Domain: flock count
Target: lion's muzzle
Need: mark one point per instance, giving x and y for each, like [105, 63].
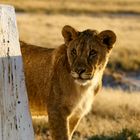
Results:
[81, 75]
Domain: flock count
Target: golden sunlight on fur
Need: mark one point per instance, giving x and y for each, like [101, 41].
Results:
[64, 81]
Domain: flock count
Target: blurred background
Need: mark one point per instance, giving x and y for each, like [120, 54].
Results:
[116, 111]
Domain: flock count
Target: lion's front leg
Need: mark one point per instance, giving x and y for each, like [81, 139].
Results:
[73, 123]
[58, 125]
[74, 120]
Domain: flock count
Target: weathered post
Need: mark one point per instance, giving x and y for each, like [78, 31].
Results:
[15, 119]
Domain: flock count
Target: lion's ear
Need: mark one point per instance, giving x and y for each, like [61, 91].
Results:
[107, 38]
[69, 33]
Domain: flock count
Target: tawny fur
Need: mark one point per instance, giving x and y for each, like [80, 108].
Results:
[51, 82]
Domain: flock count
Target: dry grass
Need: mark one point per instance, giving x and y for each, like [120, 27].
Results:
[71, 6]
[115, 113]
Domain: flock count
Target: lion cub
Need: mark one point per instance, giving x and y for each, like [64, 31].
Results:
[65, 80]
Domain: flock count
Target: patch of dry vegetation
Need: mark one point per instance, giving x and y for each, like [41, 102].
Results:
[125, 59]
[71, 6]
[115, 115]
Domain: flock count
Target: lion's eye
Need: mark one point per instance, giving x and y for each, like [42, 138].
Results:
[92, 53]
[73, 52]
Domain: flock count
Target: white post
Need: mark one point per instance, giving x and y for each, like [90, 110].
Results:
[15, 119]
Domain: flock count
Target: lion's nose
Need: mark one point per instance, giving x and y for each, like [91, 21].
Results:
[80, 70]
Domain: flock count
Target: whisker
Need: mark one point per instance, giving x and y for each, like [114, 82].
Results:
[74, 74]
[86, 76]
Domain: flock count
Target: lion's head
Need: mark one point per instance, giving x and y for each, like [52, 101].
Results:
[87, 52]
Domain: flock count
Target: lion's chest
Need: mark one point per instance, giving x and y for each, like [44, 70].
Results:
[81, 101]
[86, 101]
